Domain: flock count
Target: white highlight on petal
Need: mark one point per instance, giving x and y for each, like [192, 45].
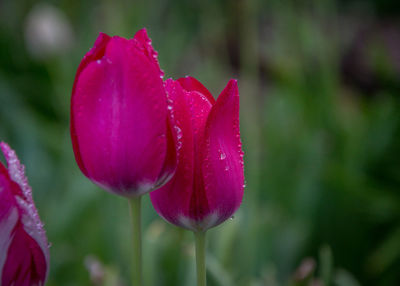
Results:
[163, 180]
[143, 188]
[199, 225]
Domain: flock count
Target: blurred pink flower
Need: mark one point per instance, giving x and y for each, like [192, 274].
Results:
[207, 187]
[24, 251]
[120, 131]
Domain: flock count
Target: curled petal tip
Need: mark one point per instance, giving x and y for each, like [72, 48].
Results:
[7, 151]
[103, 35]
[191, 84]
[102, 39]
[233, 82]
[142, 32]
[144, 42]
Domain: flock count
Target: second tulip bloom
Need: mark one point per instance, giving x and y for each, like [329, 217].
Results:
[207, 187]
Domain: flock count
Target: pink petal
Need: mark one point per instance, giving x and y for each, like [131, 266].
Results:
[223, 162]
[182, 198]
[199, 107]
[8, 214]
[25, 263]
[119, 119]
[30, 216]
[191, 84]
[170, 162]
[22, 237]
[171, 200]
[144, 43]
[95, 53]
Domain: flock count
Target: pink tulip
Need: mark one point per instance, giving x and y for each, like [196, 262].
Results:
[24, 252]
[207, 187]
[120, 132]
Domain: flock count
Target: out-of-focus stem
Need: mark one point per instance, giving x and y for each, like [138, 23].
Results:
[200, 242]
[135, 209]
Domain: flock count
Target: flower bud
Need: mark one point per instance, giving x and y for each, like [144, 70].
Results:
[121, 134]
[207, 187]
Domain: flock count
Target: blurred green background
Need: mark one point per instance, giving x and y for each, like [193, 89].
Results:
[320, 122]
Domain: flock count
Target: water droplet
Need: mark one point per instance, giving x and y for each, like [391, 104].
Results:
[178, 137]
[232, 217]
[226, 168]
[222, 156]
[98, 61]
[178, 132]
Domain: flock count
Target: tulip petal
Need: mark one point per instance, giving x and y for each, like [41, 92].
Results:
[182, 200]
[191, 84]
[8, 215]
[25, 264]
[144, 43]
[119, 119]
[30, 218]
[170, 162]
[169, 200]
[95, 53]
[223, 160]
[199, 107]
[22, 237]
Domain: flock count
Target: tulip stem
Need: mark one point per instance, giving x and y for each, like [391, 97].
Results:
[200, 242]
[135, 209]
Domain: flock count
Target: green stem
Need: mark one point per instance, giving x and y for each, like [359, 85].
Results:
[135, 209]
[200, 242]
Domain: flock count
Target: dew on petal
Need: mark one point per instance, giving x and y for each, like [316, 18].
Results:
[222, 155]
[178, 137]
[178, 132]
